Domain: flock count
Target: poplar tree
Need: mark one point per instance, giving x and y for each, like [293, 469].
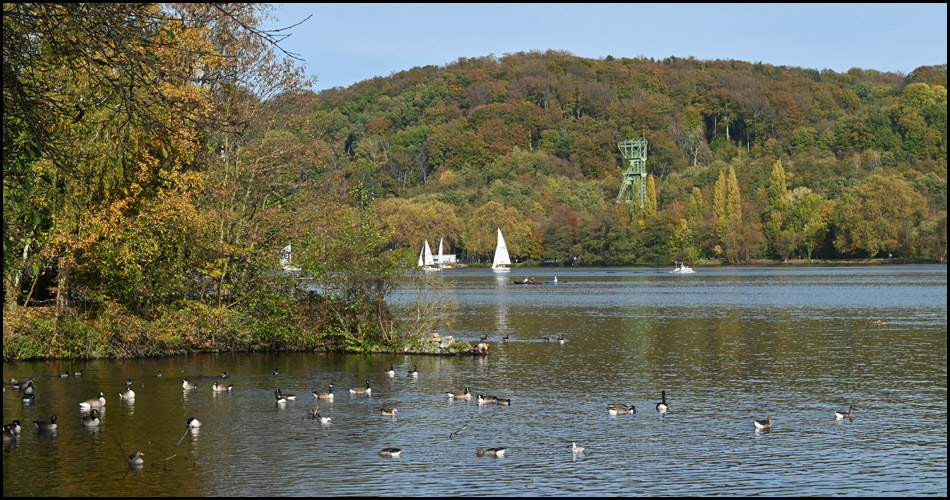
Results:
[649, 202]
[778, 207]
[727, 205]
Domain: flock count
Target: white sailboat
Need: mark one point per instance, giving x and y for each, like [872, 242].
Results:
[441, 262]
[502, 260]
[285, 259]
[425, 258]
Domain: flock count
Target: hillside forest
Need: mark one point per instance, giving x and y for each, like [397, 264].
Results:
[158, 158]
[746, 160]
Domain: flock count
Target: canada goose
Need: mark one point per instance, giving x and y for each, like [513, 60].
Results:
[216, 387]
[136, 458]
[192, 423]
[763, 424]
[128, 393]
[546, 339]
[29, 399]
[91, 420]
[362, 390]
[840, 415]
[314, 413]
[500, 401]
[9, 437]
[89, 403]
[575, 448]
[286, 396]
[159, 374]
[391, 372]
[491, 452]
[276, 373]
[619, 409]
[484, 400]
[29, 389]
[459, 395]
[328, 394]
[505, 338]
[279, 398]
[43, 425]
[78, 374]
[64, 375]
[223, 375]
[662, 407]
[414, 373]
[389, 412]
[186, 385]
[390, 452]
[15, 426]
[560, 339]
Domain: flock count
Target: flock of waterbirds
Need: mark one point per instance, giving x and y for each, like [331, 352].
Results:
[91, 409]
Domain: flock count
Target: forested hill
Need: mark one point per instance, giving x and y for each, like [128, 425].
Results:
[528, 142]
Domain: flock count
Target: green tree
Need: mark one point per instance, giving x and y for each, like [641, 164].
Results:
[345, 250]
[882, 215]
[560, 234]
[727, 206]
[409, 223]
[649, 201]
[777, 211]
[807, 224]
[481, 230]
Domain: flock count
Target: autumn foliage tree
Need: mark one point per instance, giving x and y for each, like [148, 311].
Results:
[103, 106]
[880, 216]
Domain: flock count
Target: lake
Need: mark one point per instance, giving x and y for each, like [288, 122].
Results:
[728, 345]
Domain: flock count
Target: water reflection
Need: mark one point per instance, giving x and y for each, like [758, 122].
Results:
[726, 346]
[501, 304]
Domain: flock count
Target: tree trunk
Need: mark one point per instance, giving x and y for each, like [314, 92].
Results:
[12, 295]
[62, 288]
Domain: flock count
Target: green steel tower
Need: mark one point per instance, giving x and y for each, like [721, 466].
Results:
[635, 152]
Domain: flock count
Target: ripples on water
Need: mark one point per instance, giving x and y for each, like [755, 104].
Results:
[728, 345]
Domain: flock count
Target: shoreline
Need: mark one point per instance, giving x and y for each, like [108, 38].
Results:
[36, 334]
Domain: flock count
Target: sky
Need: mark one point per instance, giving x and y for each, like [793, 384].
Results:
[343, 44]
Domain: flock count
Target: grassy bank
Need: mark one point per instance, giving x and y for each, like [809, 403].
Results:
[36, 333]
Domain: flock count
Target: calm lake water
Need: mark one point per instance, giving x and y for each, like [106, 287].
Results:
[726, 344]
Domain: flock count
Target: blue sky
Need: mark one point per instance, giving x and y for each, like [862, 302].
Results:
[346, 43]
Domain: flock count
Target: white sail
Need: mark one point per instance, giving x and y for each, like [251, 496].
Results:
[286, 261]
[441, 263]
[425, 258]
[502, 260]
[428, 255]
